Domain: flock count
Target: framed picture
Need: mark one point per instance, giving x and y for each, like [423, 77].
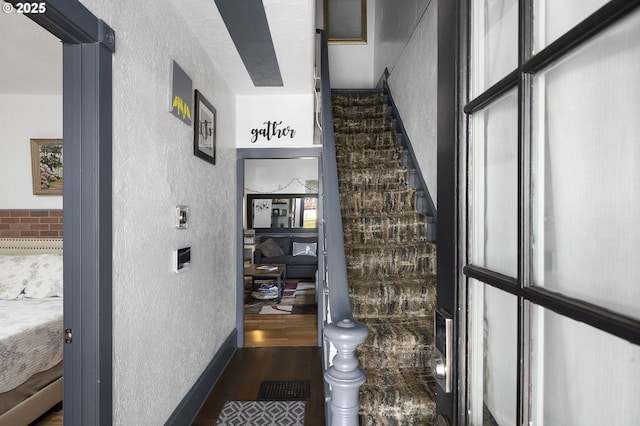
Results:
[46, 166]
[204, 135]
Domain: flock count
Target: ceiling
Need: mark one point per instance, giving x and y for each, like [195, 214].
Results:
[31, 57]
[276, 56]
[291, 25]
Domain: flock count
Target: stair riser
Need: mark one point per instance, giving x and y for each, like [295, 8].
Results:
[363, 141]
[417, 357]
[364, 157]
[398, 399]
[360, 112]
[377, 180]
[409, 260]
[358, 100]
[364, 309]
[407, 268]
[378, 230]
[363, 126]
[378, 201]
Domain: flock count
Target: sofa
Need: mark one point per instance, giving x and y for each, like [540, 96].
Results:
[299, 254]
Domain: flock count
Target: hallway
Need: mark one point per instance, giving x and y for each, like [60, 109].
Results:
[250, 366]
[277, 347]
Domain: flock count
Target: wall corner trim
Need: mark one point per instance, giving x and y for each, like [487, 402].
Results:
[192, 402]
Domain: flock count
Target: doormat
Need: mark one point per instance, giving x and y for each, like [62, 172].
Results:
[254, 413]
[286, 390]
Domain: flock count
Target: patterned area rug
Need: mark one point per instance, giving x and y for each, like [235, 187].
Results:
[299, 297]
[254, 413]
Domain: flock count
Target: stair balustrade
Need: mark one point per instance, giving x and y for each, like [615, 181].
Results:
[343, 376]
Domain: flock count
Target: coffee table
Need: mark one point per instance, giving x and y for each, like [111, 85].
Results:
[271, 270]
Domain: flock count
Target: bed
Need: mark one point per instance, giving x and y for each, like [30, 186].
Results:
[31, 328]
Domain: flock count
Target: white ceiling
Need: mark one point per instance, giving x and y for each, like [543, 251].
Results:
[31, 58]
[292, 26]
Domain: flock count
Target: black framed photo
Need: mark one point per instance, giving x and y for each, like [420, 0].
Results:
[204, 134]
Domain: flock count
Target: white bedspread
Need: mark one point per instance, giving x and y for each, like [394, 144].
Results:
[30, 338]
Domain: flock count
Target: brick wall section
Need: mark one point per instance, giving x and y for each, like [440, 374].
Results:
[30, 223]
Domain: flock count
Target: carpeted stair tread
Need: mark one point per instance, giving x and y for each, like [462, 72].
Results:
[410, 259]
[392, 298]
[359, 126]
[359, 112]
[397, 344]
[360, 99]
[368, 140]
[374, 179]
[390, 200]
[397, 398]
[400, 228]
[362, 158]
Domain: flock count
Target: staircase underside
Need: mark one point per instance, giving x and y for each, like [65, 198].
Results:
[390, 264]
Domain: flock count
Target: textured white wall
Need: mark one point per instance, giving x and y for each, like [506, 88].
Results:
[395, 24]
[166, 326]
[289, 111]
[413, 84]
[25, 117]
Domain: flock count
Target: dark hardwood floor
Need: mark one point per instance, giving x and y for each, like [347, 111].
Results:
[277, 347]
[250, 366]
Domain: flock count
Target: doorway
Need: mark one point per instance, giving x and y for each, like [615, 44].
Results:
[548, 184]
[88, 45]
[283, 178]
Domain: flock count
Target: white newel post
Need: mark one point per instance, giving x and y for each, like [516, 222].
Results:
[345, 376]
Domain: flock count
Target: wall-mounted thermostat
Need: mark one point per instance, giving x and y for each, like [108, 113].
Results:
[181, 217]
[182, 259]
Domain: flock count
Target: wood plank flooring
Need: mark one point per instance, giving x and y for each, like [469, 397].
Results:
[288, 344]
[52, 418]
[280, 330]
[250, 366]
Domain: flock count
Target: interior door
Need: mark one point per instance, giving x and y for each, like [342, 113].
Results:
[549, 320]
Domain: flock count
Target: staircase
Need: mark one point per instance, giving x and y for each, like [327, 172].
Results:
[390, 264]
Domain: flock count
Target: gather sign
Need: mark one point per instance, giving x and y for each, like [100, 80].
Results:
[272, 130]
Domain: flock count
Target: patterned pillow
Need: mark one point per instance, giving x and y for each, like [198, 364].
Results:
[15, 273]
[307, 249]
[47, 279]
[270, 248]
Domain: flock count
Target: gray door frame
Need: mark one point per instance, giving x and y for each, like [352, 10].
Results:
[88, 45]
[448, 134]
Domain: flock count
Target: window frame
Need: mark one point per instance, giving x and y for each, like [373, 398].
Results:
[521, 79]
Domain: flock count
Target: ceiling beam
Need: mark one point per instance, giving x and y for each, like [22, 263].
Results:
[247, 24]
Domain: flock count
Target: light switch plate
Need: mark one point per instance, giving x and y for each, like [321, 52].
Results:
[182, 217]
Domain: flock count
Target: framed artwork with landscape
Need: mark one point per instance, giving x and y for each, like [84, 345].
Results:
[204, 135]
[46, 166]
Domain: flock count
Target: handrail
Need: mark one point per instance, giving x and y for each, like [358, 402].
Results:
[344, 376]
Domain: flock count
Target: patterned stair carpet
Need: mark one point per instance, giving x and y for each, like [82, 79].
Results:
[390, 265]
